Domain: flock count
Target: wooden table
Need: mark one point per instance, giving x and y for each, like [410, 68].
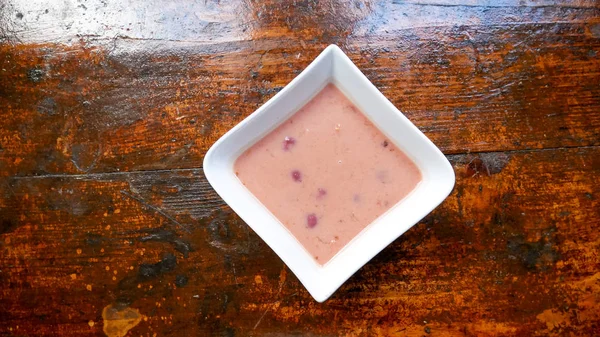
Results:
[107, 223]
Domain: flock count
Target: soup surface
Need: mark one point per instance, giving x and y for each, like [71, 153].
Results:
[327, 173]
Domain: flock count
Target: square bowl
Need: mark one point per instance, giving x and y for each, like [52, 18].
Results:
[331, 66]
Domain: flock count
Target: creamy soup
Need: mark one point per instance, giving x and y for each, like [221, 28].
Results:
[327, 173]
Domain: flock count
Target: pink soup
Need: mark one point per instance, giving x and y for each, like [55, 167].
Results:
[327, 173]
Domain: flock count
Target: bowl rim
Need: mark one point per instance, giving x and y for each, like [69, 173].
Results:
[331, 66]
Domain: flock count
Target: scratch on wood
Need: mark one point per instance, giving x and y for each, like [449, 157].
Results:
[498, 91]
[156, 209]
[234, 276]
[272, 305]
[92, 165]
[282, 279]
[261, 317]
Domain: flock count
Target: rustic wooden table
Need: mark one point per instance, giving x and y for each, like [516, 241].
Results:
[108, 226]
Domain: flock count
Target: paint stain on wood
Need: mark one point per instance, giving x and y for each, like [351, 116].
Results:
[118, 321]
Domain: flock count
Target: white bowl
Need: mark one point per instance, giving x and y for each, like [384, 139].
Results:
[332, 65]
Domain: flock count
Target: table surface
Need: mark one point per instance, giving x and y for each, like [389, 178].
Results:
[108, 225]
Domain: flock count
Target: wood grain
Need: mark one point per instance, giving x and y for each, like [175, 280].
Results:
[116, 107]
[108, 226]
[513, 251]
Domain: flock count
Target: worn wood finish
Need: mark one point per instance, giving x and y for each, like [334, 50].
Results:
[514, 250]
[108, 226]
[98, 106]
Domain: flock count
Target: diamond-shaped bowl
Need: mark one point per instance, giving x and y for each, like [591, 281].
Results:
[331, 66]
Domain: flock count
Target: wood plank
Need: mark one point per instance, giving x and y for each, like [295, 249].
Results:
[78, 109]
[512, 251]
[153, 86]
[238, 20]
